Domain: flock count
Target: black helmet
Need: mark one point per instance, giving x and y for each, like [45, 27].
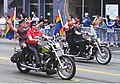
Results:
[33, 23]
[21, 21]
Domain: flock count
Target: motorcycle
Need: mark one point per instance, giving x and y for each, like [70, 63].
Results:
[93, 48]
[52, 58]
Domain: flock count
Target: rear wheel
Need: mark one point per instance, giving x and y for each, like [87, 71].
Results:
[105, 57]
[68, 70]
[22, 69]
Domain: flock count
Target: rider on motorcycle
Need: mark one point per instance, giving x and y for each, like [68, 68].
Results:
[33, 43]
[22, 33]
[78, 39]
[73, 36]
[69, 35]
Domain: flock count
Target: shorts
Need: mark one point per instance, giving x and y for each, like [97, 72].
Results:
[3, 27]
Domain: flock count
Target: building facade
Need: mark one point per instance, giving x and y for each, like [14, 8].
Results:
[94, 7]
[48, 8]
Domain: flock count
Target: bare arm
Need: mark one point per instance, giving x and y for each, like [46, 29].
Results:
[77, 33]
[10, 23]
[14, 29]
[41, 23]
[31, 39]
[47, 37]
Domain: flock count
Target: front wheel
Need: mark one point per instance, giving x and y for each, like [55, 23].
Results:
[22, 69]
[68, 70]
[105, 57]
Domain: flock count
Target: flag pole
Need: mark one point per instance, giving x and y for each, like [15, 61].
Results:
[14, 27]
[60, 17]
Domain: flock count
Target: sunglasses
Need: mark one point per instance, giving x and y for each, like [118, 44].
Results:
[33, 25]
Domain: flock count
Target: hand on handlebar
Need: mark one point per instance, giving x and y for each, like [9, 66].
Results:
[36, 40]
[49, 38]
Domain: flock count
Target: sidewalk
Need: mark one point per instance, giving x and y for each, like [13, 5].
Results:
[7, 41]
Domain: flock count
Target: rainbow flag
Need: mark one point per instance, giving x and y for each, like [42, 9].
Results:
[59, 24]
[9, 31]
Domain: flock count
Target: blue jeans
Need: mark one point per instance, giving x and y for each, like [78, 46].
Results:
[99, 33]
[104, 34]
[48, 32]
[43, 30]
[110, 36]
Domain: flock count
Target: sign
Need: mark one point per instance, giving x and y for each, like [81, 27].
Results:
[112, 10]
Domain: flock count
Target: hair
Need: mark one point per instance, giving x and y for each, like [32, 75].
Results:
[101, 20]
[108, 17]
[8, 16]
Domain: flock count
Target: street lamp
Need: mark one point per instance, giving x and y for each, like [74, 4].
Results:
[101, 8]
[83, 5]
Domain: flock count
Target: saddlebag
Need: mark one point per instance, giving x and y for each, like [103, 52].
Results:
[17, 57]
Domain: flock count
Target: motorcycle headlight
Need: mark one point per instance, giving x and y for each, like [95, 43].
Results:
[57, 45]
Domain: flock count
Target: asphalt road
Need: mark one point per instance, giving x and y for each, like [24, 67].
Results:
[87, 71]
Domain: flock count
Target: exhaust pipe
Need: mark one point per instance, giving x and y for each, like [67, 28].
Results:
[23, 65]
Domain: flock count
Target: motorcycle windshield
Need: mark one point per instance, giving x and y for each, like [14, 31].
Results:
[93, 32]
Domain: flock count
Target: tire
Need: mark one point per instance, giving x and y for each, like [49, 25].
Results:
[22, 69]
[106, 57]
[70, 69]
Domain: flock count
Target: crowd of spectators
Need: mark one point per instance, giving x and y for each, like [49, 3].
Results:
[46, 28]
[107, 29]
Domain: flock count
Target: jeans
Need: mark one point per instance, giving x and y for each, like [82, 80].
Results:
[104, 35]
[110, 37]
[118, 36]
[34, 48]
[48, 32]
[43, 30]
[99, 33]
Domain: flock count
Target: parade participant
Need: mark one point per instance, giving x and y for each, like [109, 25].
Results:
[22, 32]
[70, 35]
[74, 36]
[33, 43]
[78, 39]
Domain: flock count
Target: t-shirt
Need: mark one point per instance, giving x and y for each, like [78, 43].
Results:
[23, 34]
[33, 33]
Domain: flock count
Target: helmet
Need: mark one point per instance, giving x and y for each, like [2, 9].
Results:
[70, 24]
[21, 21]
[33, 23]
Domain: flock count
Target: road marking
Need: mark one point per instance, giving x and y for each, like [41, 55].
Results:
[98, 72]
[4, 58]
[81, 69]
[75, 80]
